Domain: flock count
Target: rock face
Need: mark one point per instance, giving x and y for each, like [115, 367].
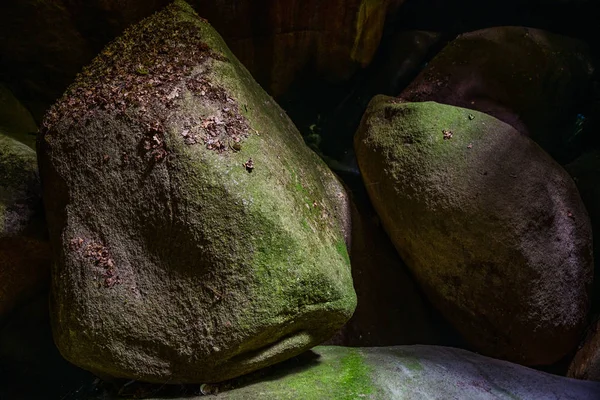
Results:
[197, 238]
[408, 372]
[586, 363]
[585, 171]
[277, 40]
[528, 78]
[493, 229]
[24, 249]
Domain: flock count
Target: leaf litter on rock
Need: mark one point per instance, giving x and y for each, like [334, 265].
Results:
[140, 77]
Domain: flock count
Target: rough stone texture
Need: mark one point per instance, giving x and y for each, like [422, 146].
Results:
[391, 309]
[406, 372]
[585, 171]
[44, 43]
[528, 78]
[493, 229]
[24, 249]
[586, 363]
[196, 237]
[277, 40]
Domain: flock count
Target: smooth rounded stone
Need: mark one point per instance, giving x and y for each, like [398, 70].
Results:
[586, 363]
[492, 228]
[196, 237]
[585, 172]
[24, 248]
[404, 372]
[391, 309]
[528, 78]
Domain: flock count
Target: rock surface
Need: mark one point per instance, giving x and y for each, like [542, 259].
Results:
[528, 78]
[44, 43]
[398, 61]
[493, 229]
[586, 363]
[197, 238]
[407, 372]
[24, 249]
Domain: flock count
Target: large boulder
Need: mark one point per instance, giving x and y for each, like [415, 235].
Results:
[531, 79]
[493, 229]
[24, 248]
[196, 237]
[405, 372]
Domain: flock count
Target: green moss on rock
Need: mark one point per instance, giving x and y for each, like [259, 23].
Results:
[493, 229]
[214, 269]
[24, 252]
[402, 372]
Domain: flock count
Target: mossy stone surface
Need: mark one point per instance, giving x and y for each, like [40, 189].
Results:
[529, 78]
[492, 228]
[404, 373]
[197, 238]
[24, 249]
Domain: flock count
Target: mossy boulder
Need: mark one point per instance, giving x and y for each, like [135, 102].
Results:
[529, 78]
[196, 237]
[492, 228]
[24, 248]
[405, 372]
